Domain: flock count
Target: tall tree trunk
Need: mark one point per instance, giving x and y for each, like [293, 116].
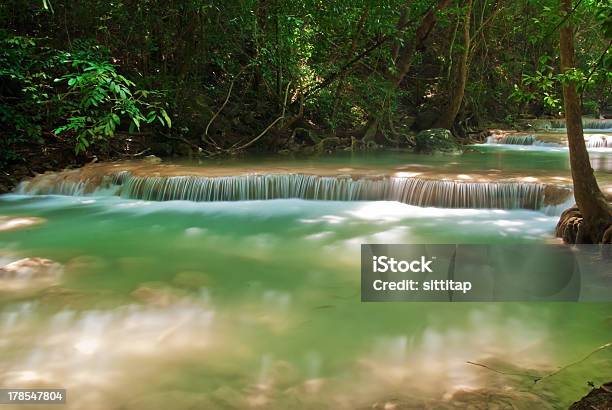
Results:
[596, 212]
[456, 89]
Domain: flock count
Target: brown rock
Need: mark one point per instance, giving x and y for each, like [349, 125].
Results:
[29, 274]
[599, 398]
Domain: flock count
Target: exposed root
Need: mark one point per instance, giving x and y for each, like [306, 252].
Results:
[537, 379]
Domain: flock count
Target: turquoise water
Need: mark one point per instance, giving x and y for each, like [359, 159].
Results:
[477, 158]
[525, 159]
[256, 304]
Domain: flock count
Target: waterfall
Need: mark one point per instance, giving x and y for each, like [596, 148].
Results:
[599, 141]
[409, 190]
[63, 187]
[453, 194]
[511, 139]
[592, 140]
[413, 191]
[251, 187]
[587, 124]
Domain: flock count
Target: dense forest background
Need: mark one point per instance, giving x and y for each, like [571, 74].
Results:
[191, 77]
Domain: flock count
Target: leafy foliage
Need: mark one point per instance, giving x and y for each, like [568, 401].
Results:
[542, 85]
[98, 97]
[24, 92]
[105, 54]
[46, 92]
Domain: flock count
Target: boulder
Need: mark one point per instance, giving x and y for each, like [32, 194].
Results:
[436, 140]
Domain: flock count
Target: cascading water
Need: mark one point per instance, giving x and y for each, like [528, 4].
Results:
[409, 190]
[174, 278]
[63, 187]
[599, 141]
[591, 140]
[587, 124]
[511, 139]
[453, 194]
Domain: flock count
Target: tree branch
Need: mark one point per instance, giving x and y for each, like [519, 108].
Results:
[229, 93]
[382, 40]
[269, 126]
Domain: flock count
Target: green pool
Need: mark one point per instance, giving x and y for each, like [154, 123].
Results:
[255, 304]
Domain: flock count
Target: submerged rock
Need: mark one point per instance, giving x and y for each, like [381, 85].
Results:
[60, 297]
[8, 223]
[30, 274]
[191, 280]
[436, 140]
[227, 397]
[156, 294]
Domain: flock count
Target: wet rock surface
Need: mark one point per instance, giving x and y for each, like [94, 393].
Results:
[30, 274]
[11, 223]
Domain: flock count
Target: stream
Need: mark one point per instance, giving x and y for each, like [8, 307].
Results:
[142, 299]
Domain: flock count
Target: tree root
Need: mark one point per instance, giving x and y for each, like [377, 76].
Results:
[537, 379]
[572, 229]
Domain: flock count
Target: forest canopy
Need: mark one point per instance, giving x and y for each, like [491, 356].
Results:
[214, 75]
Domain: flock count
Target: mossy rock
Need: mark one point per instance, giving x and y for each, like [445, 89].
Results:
[436, 140]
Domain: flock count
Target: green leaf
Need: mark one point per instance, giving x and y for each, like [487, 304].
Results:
[166, 117]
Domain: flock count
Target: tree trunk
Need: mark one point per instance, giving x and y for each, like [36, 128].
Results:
[405, 56]
[340, 88]
[406, 53]
[459, 75]
[594, 208]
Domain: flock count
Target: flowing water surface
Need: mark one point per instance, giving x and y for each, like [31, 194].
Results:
[256, 304]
